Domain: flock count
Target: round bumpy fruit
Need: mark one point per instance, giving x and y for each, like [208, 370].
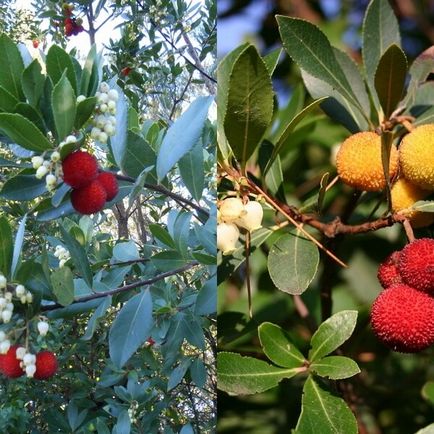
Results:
[110, 184]
[416, 264]
[79, 169]
[416, 155]
[46, 365]
[388, 271]
[359, 162]
[9, 364]
[404, 195]
[89, 199]
[403, 319]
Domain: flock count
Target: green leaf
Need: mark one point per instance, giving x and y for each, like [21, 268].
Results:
[23, 132]
[23, 188]
[311, 50]
[332, 333]
[390, 78]
[88, 75]
[423, 205]
[181, 231]
[380, 31]
[64, 107]
[9, 163]
[58, 60]
[321, 408]
[11, 67]
[204, 258]
[198, 373]
[206, 301]
[7, 100]
[293, 262]
[99, 313]
[138, 155]
[178, 374]
[161, 234]
[238, 375]
[182, 135]
[78, 255]
[33, 83]
[278, 347]
[168, 260]
[274, 174]
[428, 391]
[192, 171]
[250, 104]
[6, 246]
[131, 328]
[335, 367]
[272, 59]
[32, 114]
[85, 110]
[126, 251]
[63, 285]
[18, 245]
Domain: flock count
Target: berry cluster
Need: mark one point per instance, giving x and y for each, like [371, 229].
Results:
[48, 168]
[6, 299]
[73, 26]
[359, 165]
[104, 120]
[402, 316]
[62, 254]
[91, 188]
[232, 215]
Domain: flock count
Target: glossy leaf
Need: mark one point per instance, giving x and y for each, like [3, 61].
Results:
[33, 82]
[198, 373]
[119, 141]
[63, 285]
[335, 367]
[162, 235]
[238, 375]
[6, 246]
[206, 301]
[182, 135]
[32, 114]
[272, 59]
[23, 188]
[86, 85]
[168, 260]
[192, 171]
[423, 205]
[85, 110]
[292, 263]
[178, 373]
[11, 67]
[7, 100]
[249, 104]
[99, 313]
[23, 132]
[64, 107]
[321, 408]
[18, 245]
[58, 61]
[131, 328]
[332, 333]
[390, 78]
[278, 347]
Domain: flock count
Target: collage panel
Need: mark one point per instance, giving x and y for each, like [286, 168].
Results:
[325, 217]
[108, 217]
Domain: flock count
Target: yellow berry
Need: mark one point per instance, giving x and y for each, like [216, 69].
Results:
[359, 162]
[417, 156]
[404, 195]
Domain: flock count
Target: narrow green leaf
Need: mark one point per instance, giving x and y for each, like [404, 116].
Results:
[386, 147]
[64, 107]
[192, 171]
[7, 100]
[18, 245]
[168, 260]
[23, 132]
[11, 67]
[99, 313]
[274, 175]
[32, 114]
[33, 82]
[250, 104]
[161, 234]
[178, 374]
[85, 109]
[58, 60]
[204, 258]
[131, 328]
[278, 347]
[311, 50]
[238, 375]
[181, 230]
[390, 78]
[6, 246]
[206, 301]
[86, 82]
[9, 163]
[198, 373]
[182, 135]
[63, 285]
[335, 367]
[293, 262]
[23, 188]
[321, 408]
[423, 205]
[332, 333]
[272, 59]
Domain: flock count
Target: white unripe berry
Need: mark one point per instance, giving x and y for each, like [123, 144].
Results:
[41, 172]
[2, 336]
[51, 180]
[252, 218]
[29, 359]
[20, 353]
[20, 290]
[4, 346]
[103, 98]
[113, 94]
[23, 299]
[3, 302]
[71, 139]
[112, 111]
[62, 263]
[9, 307]
[103, 108]
[227, 236]
[109, 129]
[104, 87]
[111, 104]
[43, 328]
[37, 162]
[231, 209]
[6, 316]
[8, 296]
[80, 98]
[103, 137]
[29, 297]
[112, 120]
[95, 133]
[47, 164]
[3, 281]
[55, 156]
[30, 371]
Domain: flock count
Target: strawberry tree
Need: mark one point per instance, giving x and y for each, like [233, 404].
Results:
[107, 258]
[313, 197]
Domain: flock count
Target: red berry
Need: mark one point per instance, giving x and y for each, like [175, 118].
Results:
[416, 264]
[125, 71]
[388, 272]
[79, 169]
[89, 199]
[150, 341]
[68, 22]
[9, 364]
[46, 365]
[403, 318]
[110, 184]
[35, 43]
